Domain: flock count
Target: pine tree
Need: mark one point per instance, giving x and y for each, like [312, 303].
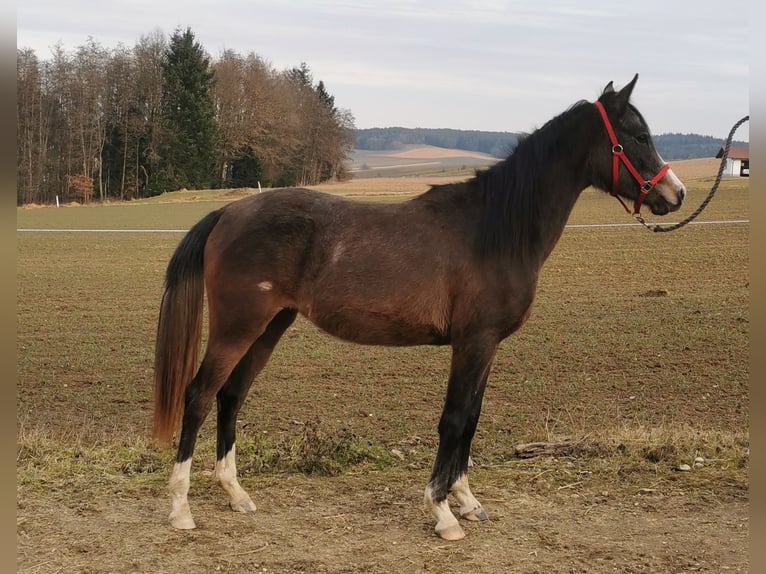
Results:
[325, 97]
[188, 150]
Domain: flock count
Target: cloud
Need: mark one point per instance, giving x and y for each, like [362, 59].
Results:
[463, 61]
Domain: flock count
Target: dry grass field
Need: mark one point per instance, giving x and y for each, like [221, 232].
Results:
[414, 160]
[636, 353]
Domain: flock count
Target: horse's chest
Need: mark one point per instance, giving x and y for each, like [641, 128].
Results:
[517, 312]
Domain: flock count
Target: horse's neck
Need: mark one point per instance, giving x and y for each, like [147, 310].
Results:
[568, 173]
[526, 199]
[560, 187]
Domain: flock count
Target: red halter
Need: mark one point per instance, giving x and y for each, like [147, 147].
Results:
[618, 154]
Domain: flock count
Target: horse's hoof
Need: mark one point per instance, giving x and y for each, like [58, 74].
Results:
[451, 532]
[475, 515]
[182, 522]
[246, 505]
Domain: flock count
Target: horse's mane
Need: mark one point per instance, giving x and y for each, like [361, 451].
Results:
[510, 221]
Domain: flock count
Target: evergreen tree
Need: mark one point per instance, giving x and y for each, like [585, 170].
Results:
[325, 97]
[188, 150]
[301, 75]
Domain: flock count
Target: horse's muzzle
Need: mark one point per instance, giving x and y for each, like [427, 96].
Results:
[671, 192]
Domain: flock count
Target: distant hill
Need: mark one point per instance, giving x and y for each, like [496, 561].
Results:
[499, 144]
[690, 146]
[496, 144]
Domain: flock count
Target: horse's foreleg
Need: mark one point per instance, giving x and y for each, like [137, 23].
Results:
[230, 399]
[470, 508]
[465, 391]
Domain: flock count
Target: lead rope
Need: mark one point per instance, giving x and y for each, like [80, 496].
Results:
[693, 216]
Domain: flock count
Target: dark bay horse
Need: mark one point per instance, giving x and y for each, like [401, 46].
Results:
[457, 265]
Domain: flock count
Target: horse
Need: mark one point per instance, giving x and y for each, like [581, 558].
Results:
[457, 265]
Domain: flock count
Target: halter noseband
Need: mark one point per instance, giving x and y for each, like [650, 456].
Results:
[618, 154]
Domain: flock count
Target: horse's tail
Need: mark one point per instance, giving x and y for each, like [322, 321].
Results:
[179, 328]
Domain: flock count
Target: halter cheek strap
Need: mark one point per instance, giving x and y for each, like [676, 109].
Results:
[618, 155]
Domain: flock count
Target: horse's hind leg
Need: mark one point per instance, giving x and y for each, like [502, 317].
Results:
[220, 359]
[465, 391]
[230, 399]
[231, 338]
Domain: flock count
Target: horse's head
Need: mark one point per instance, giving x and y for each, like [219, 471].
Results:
[626, 161]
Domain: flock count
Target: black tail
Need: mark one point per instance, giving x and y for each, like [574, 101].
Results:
[179, 328]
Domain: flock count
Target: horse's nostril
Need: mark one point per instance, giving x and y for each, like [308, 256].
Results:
[682, 193]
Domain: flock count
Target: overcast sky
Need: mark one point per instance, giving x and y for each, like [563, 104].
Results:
[486, 64]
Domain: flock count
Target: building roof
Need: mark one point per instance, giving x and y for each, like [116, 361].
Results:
[735, 153]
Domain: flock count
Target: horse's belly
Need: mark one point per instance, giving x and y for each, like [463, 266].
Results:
[372, 327]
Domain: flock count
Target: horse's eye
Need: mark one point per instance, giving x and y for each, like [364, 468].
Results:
[642, 138]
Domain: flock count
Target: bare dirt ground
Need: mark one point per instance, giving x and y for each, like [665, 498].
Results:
[374, 523]
[637, 350]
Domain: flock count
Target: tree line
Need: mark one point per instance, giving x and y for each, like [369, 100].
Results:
[128, 123]
[672, 146]
[675, 146]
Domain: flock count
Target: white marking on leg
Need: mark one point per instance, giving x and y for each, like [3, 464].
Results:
[180, 513]
[265, 286]
[447, 526]
[226, 475]
[470, 508]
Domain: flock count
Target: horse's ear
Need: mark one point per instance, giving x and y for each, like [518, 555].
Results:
[623, 96]
[618, 101]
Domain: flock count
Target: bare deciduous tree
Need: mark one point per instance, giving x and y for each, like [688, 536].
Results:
[97, 122]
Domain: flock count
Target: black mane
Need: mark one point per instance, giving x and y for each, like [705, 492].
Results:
[509, 190]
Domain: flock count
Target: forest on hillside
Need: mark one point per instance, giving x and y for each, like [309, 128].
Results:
[499, 144]
[126, 123]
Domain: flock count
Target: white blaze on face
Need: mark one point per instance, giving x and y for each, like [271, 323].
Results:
[671, 188]
[265, 286]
